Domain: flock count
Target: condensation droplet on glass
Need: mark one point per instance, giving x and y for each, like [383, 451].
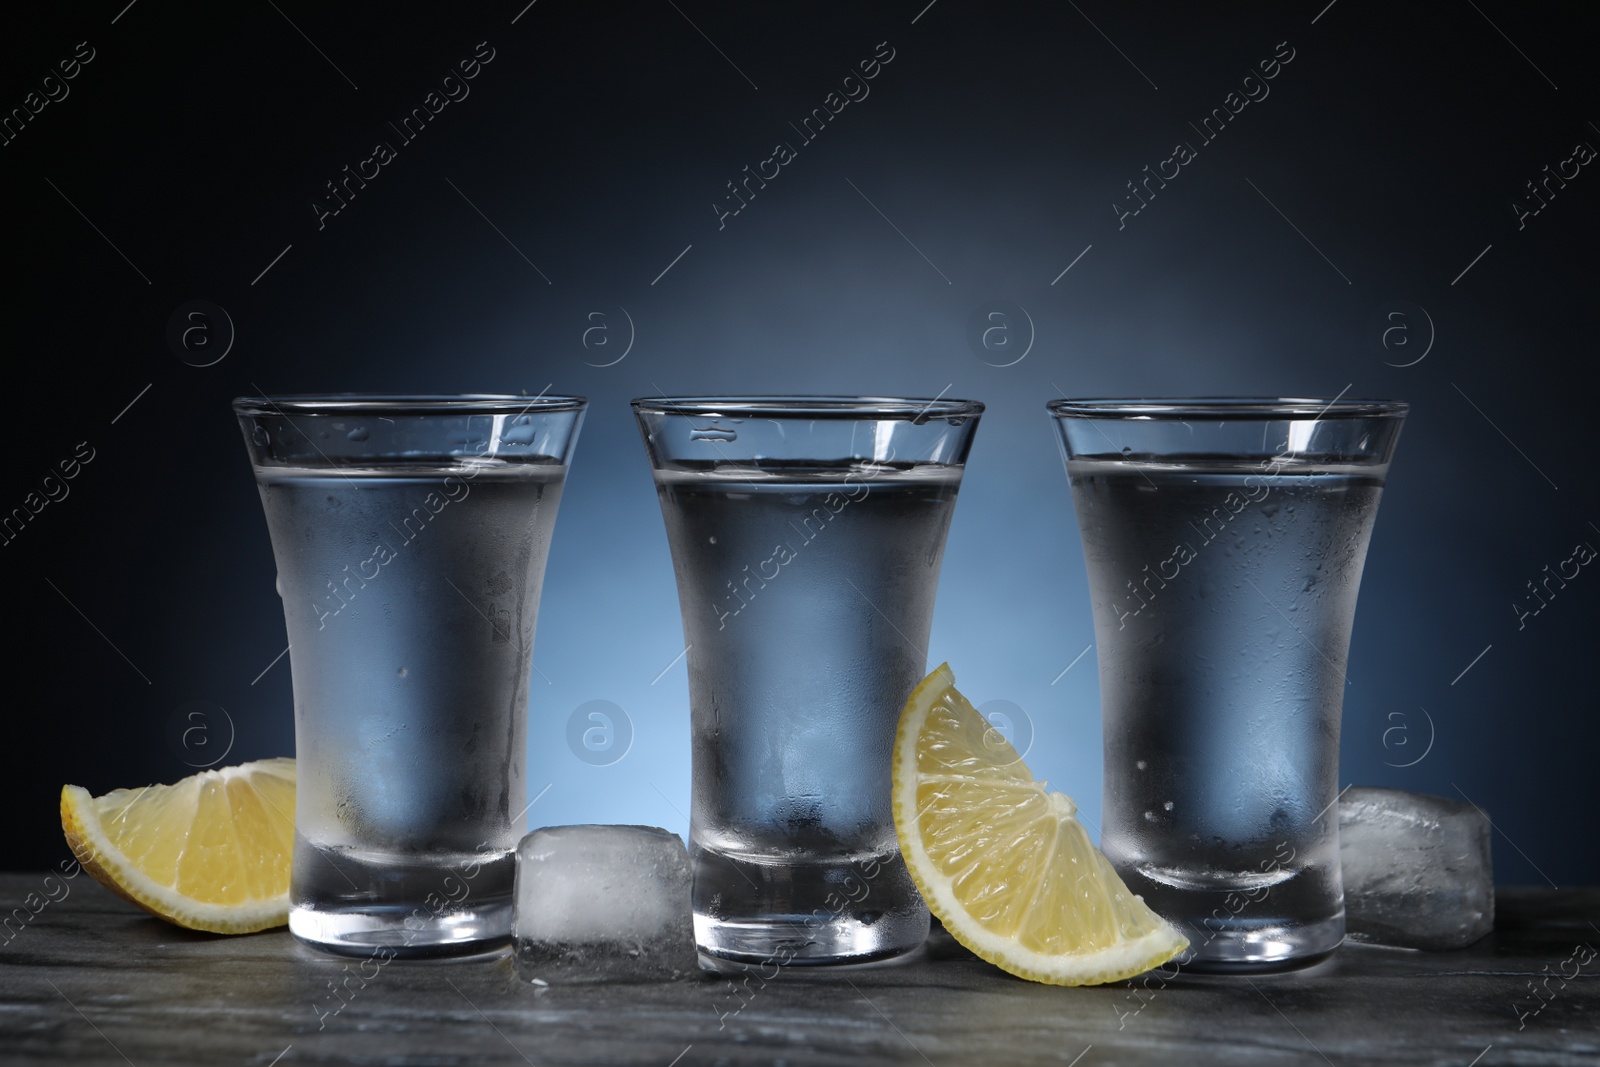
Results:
[1167, 806]
[1127, 451]
[713, 540]
[401, 672]
[358, 434]
[1149, 816]
[1142, 765]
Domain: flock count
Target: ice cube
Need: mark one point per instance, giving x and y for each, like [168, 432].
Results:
[599, 903]
[1416, 868]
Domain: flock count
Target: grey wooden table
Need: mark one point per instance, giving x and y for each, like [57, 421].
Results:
[89, 979]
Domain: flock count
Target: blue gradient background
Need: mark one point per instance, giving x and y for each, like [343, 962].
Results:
[996, 141]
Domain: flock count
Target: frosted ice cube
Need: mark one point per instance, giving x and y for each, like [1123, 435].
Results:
[597, 903]
[1416, 869]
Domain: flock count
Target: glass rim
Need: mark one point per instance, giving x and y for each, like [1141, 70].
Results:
[807, 406]
[406, 404]
[1217, 408]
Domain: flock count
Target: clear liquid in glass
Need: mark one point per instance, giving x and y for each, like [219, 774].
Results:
[807, 601]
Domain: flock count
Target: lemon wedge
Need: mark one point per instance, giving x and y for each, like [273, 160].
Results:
[1003, 861]
[210, 852]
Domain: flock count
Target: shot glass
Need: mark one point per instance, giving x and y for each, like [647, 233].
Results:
[1225, 540]
[410, 534]
[806, 533]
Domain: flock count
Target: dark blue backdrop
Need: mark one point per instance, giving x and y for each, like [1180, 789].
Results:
[1360, 220]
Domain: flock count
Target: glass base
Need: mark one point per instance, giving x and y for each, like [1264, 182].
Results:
[363, 902]
[1262, 948]
[398, 933]
[787, 941]
[1241, 920]
[850, 910]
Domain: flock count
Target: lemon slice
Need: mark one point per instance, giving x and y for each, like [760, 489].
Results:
[1003, 861]
[210, 852]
